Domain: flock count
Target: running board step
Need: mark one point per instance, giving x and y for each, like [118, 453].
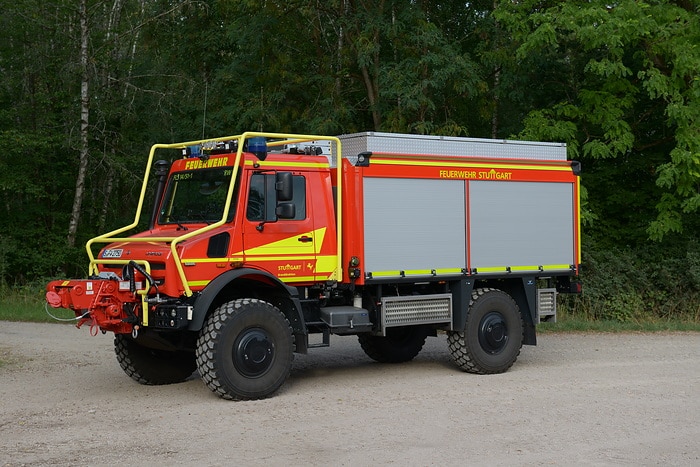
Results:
[412, 310]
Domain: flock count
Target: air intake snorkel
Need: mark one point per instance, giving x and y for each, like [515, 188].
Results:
[161, 172]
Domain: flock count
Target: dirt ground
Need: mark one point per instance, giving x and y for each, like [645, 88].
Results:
[582, 399]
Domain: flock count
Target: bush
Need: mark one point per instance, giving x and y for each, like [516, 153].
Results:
[653, 282]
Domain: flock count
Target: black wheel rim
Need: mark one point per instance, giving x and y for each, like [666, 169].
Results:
[493, 333]
[253, 352]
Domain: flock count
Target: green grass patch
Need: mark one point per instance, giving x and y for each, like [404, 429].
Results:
[568, 321]
[28, 304]
[31, 312]
[581, 325]
[17, 307]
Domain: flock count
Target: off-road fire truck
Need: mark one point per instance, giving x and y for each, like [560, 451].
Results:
[261, 245]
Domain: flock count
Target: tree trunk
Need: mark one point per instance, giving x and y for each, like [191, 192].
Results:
[108, 188]
[496, 79]
[371, 87]
[494, 115]
[84, 122]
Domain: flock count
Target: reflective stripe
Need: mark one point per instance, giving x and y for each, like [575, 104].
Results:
[544, 267]
[251, 258]
[298, 279]
[479, 165]
[416, 272]
[209, 260]
[312, 165]
[438, 272]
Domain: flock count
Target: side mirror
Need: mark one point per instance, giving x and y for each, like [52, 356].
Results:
[285, 211]
[284, 186]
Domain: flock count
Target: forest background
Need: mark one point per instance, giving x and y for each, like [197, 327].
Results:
[86, 86]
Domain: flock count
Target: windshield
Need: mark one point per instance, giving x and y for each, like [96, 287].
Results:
[196, 196]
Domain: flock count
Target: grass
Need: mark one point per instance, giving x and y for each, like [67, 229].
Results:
[575, 324]
[31, 312]
[28, 305]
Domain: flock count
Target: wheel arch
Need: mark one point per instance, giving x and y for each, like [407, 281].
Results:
[524, 293]
[248, 283]
[522, 290]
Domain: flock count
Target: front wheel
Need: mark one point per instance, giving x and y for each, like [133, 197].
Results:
[152, 366]
[401, 344]
[245, 350]
[493, 334]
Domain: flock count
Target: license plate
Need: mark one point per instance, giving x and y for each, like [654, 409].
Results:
[112, 253]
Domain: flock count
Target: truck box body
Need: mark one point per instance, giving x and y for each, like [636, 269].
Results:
[479, 207]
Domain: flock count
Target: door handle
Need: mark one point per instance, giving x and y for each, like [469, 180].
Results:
[305, 239]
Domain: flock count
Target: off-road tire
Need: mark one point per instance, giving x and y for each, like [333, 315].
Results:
[245, 350]
[493, 334]
[401, 344]
[152, 366]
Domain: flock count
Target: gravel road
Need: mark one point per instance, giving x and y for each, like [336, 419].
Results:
[575, 399]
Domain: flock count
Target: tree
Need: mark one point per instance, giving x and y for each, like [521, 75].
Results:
[620, 84]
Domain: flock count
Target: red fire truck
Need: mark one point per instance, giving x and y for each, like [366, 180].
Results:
[260, 245]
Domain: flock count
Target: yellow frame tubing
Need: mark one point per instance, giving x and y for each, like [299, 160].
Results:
[174, 241]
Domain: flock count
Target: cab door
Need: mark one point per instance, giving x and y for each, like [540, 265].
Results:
[284, 246]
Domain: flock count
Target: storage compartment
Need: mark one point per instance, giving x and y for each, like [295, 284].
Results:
[346, 319]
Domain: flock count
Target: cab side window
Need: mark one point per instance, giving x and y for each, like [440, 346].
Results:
[262, 198]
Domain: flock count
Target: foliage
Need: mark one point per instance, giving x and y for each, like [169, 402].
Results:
[617, 81]
[652, 283]
[622, 83]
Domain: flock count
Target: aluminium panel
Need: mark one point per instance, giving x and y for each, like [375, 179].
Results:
[414, 225]
[520, 224]
[395, 143]
[546, 305]
[416, 309]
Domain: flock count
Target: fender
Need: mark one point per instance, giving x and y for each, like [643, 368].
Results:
[523, 292]
[205, 299]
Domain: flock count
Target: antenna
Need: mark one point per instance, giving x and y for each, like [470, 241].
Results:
[262, 108]
[204, 117]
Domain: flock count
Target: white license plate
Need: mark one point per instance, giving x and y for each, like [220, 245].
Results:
[112, 253]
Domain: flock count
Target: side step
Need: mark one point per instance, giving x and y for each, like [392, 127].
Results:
[326, 339]
[546, 305]
[409, 310]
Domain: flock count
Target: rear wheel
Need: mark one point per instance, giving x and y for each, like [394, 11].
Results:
[245, 350]
[152, 366]
[493, 334]
[401, 344]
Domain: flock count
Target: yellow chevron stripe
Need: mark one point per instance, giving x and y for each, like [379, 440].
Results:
[281, 247]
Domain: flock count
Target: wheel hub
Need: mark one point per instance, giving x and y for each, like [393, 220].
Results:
[253, 352]
[493, 333]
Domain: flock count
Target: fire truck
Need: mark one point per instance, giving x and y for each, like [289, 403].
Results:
[247, 249]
